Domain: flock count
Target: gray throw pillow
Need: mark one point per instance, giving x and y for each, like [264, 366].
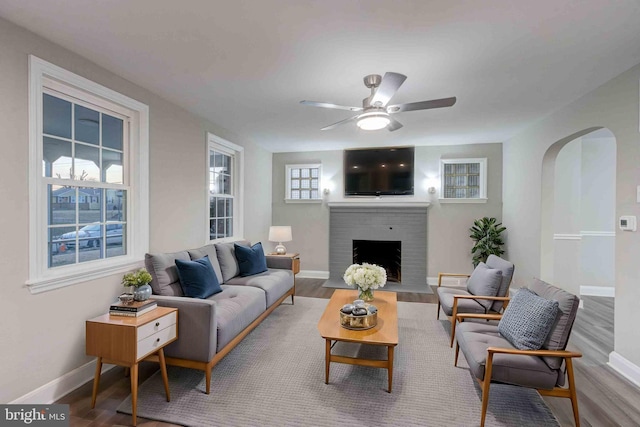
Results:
[227, 258]
[484, 281]
[527, 320]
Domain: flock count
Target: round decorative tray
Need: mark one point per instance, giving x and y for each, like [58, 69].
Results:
[359, 323]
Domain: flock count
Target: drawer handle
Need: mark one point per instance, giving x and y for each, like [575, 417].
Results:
[157, 323]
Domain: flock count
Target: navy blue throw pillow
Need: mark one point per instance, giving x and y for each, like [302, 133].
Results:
[197, 278]
[251, 260]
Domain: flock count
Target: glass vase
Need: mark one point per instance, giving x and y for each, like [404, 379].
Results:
[365, 295]
[142, 293]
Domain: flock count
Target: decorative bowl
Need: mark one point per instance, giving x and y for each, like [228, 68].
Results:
[360, 323]
[126, 299]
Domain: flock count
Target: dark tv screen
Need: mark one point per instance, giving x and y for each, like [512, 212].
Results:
[378, 171]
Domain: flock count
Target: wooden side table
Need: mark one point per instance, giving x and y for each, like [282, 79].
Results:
[126, 341]
[295, 265]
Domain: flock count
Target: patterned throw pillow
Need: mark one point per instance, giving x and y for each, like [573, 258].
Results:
[527, 320]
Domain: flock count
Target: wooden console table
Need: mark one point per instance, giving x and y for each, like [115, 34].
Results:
[126, 341]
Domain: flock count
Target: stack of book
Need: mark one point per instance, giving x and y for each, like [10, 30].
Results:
[134, 309]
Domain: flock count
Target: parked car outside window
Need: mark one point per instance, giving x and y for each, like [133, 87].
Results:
[89, 236]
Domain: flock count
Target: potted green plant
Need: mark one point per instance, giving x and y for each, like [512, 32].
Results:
[486, 235]
[139, 281]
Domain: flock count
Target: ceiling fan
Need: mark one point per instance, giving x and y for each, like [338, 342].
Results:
[374, 113]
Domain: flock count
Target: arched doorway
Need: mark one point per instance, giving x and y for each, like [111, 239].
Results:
[578, 222]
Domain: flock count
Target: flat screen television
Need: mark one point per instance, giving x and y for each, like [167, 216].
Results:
[384, 171]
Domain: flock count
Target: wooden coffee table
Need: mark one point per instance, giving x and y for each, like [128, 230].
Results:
[385, 333]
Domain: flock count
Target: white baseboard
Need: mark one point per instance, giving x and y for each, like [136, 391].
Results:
[61, 386]
[313, 274]
[624, 368]
[598, 291]
[449, 281]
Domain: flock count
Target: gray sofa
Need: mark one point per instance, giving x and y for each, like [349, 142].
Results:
[210, 328]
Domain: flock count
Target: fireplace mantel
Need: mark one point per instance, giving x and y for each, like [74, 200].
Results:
[378, 204]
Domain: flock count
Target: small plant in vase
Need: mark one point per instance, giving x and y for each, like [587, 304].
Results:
[366, 278]
[139, 281]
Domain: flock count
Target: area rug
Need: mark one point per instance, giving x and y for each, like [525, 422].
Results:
[275, 377]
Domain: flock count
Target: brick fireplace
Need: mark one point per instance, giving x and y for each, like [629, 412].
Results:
[392, 236]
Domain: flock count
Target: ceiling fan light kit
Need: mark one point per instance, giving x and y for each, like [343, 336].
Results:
[375, 114]
[373, 120]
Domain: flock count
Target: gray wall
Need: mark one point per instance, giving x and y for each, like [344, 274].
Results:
[613, 105]
[43, 335]
[448, 243]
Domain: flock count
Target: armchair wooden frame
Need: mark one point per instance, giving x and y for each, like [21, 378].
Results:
[569, 392]
[454, 311]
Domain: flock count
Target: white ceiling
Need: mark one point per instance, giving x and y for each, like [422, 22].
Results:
[245, 65]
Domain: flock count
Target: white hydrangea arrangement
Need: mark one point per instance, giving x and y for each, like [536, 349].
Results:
[365, 277]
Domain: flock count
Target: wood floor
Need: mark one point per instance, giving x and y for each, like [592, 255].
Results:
[605, 398]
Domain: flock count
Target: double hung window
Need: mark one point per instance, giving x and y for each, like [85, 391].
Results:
[224, 164]
[88, 170]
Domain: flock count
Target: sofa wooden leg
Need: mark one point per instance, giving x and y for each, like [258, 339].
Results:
[438, 312]
[485, 387]
[572, 391]
[207, 376]
[455, 362]
[453, 324]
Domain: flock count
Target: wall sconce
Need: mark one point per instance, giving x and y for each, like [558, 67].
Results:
[326, 191]
[432, 190]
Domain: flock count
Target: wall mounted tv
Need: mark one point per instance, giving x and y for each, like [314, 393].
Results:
[379, 171]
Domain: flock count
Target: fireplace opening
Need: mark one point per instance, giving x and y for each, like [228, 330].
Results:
[386, 254]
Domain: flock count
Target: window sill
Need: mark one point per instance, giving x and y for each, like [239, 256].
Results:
[51, 282]
[479, 200]
[294, 201]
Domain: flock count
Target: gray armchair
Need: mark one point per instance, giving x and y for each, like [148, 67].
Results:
[485, 291]
[493, 358]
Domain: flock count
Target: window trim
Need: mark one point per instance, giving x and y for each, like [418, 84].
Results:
[41, 277]
[483, 181]
[237, 186]
[287, 178]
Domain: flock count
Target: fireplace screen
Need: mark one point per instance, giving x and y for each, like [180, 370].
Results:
[386, 254]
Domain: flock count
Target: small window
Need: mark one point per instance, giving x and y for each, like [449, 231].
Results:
[224, 188]
[303, 183]
[463, 180]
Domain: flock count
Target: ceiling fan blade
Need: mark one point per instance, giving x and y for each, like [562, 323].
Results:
[422, 105]
[341, 122]
[389, 85]
[328, 105]
[393, 125]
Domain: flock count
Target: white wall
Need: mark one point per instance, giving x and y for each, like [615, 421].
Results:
[584, 215]
[566, 218]
[42, 336]
[614, 105]
[598, 211]
[448, 243]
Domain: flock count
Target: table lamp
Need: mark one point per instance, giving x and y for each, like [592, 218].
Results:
[280, 233]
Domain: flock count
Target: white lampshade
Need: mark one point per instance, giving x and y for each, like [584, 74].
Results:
[280, 233]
